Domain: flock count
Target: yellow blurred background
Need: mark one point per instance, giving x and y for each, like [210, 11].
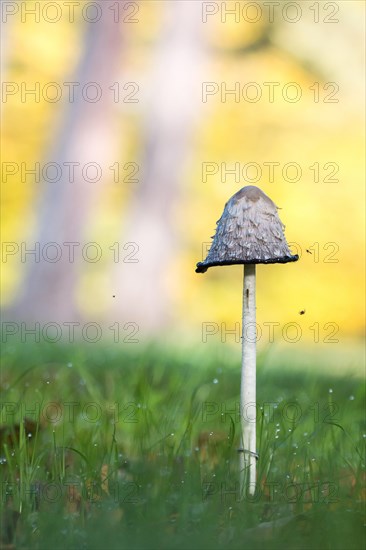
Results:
[307, 155]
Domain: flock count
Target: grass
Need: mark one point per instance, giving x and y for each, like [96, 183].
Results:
[105, 448]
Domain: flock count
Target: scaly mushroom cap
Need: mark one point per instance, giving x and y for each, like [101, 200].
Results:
[248, 232]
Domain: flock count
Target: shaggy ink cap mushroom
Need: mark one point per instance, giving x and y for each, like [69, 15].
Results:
[248, 232]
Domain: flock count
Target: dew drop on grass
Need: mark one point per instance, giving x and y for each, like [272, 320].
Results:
[330, 390]
[215, 381]
[351, 397]
[69, 365]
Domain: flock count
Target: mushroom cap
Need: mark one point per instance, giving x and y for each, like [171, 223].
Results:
[248, 232]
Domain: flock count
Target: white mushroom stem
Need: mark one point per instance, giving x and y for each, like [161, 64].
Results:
[248, 384]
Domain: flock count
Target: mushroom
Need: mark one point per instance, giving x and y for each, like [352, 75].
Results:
[249, 232]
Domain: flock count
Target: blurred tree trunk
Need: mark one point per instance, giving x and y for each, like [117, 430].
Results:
[173, 103]
[88, 134]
